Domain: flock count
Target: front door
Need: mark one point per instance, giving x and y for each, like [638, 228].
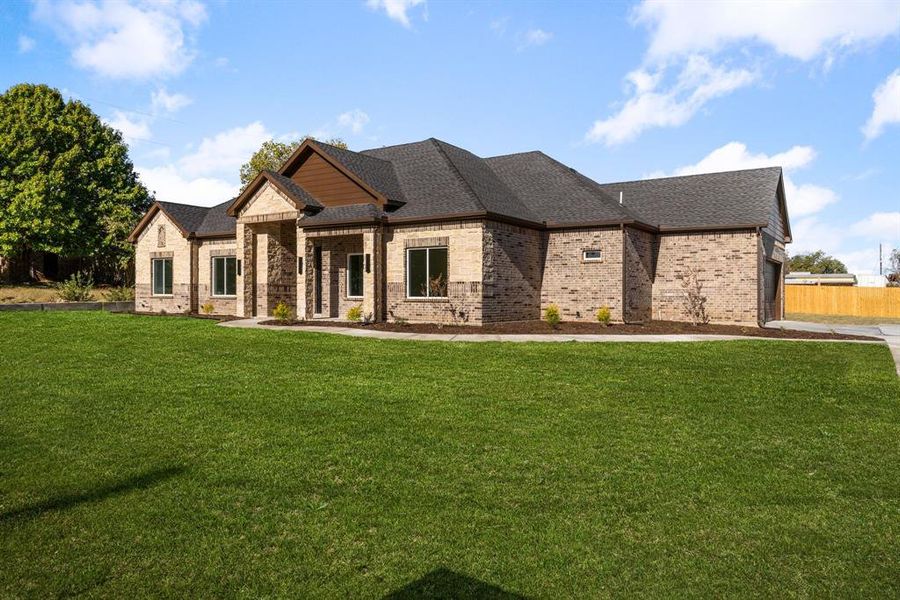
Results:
[317, 259]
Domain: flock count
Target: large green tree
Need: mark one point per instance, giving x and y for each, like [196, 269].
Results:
[816, 262]
[67, 185]
[272, 154]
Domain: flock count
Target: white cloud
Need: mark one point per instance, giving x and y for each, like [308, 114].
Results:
[698, 82]
[879, 226]
[133, 129]
[887, 106]
[172, 186]
[686, 31]
[124, 40]
[225, 152]
[803, 199]
[354, 120]
[535, 37]
[797, 28]
[396, 9]
[26, 44]
[163, 101]
[499, 25]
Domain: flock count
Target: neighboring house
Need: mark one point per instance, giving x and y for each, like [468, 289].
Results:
[418, 230]
[805, 278]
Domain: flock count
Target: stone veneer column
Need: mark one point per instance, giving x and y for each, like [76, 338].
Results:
[372, 249]
[240, 279]
[301, 277]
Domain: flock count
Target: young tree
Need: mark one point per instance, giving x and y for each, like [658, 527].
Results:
[272, 154]
[815, 262]
[894, 268]
[67, 185]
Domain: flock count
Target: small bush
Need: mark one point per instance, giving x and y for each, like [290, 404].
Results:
[603, 315]
[282, 311]
[77, 288]
[119, 294]
[355, 313]
[207, 308]
[552, 316]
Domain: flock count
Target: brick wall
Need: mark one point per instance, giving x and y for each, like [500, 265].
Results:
[464, 255]
[577, 287]
[162, 239]
[513, 261]
[205, 251]
[640, 266]
[728, 265]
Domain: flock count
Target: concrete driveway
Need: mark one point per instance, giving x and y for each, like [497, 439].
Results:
[890, 333]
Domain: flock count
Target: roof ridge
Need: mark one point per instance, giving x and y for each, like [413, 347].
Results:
[779, 167]
[184, 204]
[437, 144]
[580, 177]
[514, 154]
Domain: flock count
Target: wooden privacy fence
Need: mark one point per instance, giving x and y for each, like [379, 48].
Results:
[841, 300]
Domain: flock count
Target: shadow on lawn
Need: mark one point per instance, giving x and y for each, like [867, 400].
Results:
[444, 583]
[136, 482]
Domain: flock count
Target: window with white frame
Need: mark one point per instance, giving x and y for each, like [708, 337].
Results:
[426, 272]
[161, 269]
[354, 275]
[591, 255]
[224, 276]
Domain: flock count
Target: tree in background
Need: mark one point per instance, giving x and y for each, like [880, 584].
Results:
[67, 186]
[894, 268]
[271, 155]
[815, 262]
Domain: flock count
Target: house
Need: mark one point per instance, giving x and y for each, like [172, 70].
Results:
[428, 231]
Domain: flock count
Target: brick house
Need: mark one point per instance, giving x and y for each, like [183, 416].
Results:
[418, 230]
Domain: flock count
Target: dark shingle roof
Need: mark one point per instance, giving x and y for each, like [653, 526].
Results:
[723, 199]
[351, 213]
[556, 193]
[186, 216]
[217, 220]
[292, 189]
[378, 174]
[432, 179]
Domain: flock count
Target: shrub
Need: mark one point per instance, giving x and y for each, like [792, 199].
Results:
[355, 313]
[603, 315]
[119, 294]
[694, 300]
[77, 288]
[207, 308]
[282, 311]
[552, 316]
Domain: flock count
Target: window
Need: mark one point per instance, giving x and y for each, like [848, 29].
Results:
[426, 272]
[354, 275]
[224, 275]
[591, 255]
[162, 276]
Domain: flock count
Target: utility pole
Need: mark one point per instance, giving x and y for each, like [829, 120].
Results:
[880, 271]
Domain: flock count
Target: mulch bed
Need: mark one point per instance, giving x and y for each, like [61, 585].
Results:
[533, 327]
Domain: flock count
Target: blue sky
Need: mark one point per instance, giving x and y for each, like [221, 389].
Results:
[619, 91]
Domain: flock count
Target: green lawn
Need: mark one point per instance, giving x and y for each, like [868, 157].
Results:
[171, 457]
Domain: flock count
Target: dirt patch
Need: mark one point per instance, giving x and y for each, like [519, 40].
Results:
[541, 327]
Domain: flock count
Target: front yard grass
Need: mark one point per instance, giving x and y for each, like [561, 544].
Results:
[171, 457]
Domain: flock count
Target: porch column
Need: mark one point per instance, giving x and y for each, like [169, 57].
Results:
[373, 276]
[302, 288]
[244, 276]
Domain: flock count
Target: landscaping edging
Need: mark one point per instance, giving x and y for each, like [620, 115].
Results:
[107, 306]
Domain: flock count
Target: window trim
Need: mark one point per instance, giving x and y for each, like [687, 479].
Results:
[212, 275]
[347, 276]
[428, 250]
[153, 262]
[584, 256]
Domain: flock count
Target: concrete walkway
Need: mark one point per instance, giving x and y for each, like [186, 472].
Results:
[256, 323]
[889, 333]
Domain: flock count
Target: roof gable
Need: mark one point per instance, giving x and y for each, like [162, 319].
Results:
[299, 197]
